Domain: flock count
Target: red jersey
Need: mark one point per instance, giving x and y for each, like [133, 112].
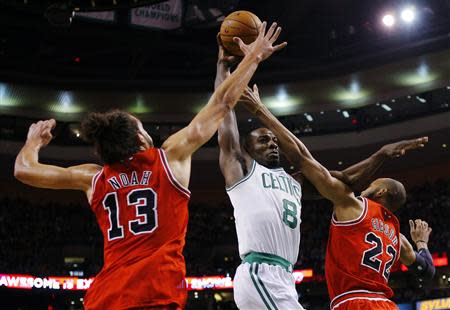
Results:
[360, 254]
[142, 212]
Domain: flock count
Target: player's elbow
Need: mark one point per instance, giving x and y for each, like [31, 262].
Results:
[199, 134]
[20, 172]
[228, 101]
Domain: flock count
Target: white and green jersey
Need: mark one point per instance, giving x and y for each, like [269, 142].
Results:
[267, 208]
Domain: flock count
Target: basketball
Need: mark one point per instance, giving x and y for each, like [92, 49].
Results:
[242, 24]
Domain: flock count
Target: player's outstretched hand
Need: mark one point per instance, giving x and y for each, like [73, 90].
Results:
[251, 100]
[224, 57]
[262, 47]
[40, 133]
[420, 231]
[400, 148]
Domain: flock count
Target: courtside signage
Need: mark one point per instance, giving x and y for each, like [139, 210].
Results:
[28, 282]
[53, 283]
[434, 304]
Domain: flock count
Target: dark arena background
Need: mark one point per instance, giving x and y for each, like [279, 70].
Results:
[355, 76]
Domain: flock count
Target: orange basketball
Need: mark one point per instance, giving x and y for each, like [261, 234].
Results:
[242, 24]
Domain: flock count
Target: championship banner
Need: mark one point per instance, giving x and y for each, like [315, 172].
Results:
[105, 16]
[166, 15]
[28, 282]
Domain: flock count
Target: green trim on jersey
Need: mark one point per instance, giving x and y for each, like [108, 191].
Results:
[270, 259]
[243, 179]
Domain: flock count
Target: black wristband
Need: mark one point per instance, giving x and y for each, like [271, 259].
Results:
[423, 265]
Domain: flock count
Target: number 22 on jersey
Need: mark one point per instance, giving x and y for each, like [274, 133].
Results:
[371, 259]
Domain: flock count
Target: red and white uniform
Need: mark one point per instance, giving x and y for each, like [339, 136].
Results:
[142, 212]
[359, 258]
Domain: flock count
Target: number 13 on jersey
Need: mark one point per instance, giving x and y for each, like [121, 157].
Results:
[144, 201]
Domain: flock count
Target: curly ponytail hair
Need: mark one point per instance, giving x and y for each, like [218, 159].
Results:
[114, 135]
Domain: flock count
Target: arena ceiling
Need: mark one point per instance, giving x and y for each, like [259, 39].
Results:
[339, 56]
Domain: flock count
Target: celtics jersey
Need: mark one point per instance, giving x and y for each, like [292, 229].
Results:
[267, 210]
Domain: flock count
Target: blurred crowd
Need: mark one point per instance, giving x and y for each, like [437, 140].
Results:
[37, 237]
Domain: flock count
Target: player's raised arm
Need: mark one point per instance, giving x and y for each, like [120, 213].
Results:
[180, 146]
[29, 170]
[297, 153]
[358, 175]
[233, 163]
[419, 262]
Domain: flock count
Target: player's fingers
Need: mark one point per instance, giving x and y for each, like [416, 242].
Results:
[262, 29]
[275, 35]
[219, 41]
[229, 59]
[411, 225]
[255, 89]
[48, 124]
[417, 222]
[239, 42]
[429, 230]
[280, 46]
[52, 123]
[271, 31]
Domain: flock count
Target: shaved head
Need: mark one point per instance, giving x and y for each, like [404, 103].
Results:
[388, 192]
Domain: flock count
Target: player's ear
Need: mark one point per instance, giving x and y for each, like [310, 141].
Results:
[141, 140]
[381, 192]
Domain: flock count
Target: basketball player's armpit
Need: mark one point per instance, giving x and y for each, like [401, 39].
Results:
[358, 176]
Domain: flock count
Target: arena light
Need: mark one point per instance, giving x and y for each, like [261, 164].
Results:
[139, 107]
[65, 104]
[282, 94]
[349, 96]
[282, 102]
[386, 107]
[388, 20]
[345, 113]
[309, 117]
[408, 14]
[5, 99]
[66, 99]
[2, 93]
[352, 93]
[355, 87]
[422, 100]
[422, 75]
